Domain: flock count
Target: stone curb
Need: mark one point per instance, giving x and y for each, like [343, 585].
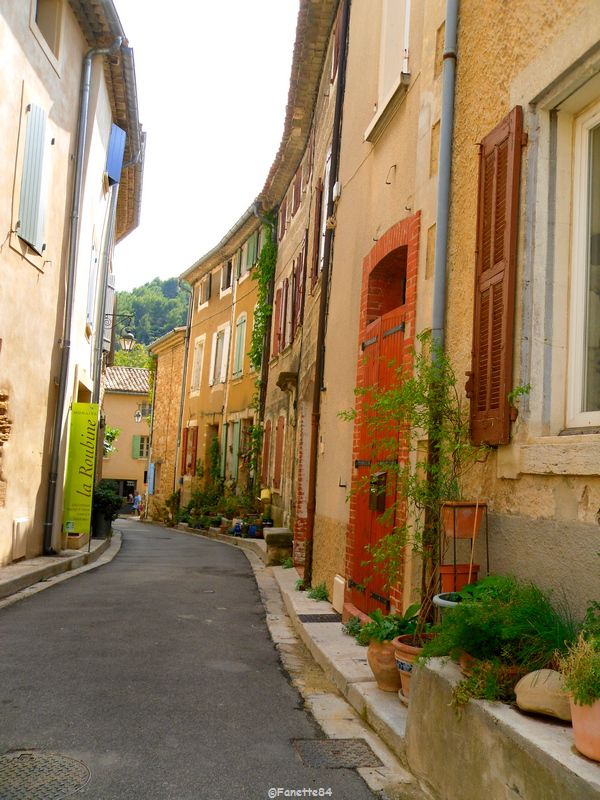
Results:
[43, 572]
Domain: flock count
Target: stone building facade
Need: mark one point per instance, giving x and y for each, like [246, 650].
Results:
[169, 352]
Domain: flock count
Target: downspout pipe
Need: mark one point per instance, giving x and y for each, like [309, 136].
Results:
[188, 327]
[438, 323]
[324, 297]
[74, 229]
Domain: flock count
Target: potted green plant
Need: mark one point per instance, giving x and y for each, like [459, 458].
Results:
[106, 504]
[380, 632]
[502, 629]
[580, 667]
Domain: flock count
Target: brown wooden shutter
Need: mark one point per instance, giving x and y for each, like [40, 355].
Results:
[194, 450]
[276, 320]
[282, 220]
[184, 450]
[302, 278]
[314, 267]
[284, 314]
[294, 303]
[497, 219]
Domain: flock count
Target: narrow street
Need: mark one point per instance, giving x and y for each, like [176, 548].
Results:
[158, 673]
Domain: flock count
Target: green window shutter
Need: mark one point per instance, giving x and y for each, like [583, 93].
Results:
[32, 200]
[223, 450]
[136, 444]
[235, 446]
[240, 342]
[251, 251]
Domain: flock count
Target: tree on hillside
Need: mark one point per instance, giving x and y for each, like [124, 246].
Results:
[157, 307]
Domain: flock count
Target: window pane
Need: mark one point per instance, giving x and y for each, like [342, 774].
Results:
[592, 353]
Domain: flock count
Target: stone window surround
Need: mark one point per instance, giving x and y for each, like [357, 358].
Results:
[540, 442]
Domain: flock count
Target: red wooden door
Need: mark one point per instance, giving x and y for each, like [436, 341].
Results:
[377, 459]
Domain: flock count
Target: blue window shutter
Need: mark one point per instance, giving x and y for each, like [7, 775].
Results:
[116, 150]
[135, 446]
[235, 447]
[31, 202]
[108, 323]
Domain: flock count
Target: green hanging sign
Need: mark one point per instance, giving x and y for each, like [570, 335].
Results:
[81, 459]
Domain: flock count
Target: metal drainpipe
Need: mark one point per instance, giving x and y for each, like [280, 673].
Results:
[84, 102]
[188, 326]
[324, 298]
[264, 367]
[444, 161]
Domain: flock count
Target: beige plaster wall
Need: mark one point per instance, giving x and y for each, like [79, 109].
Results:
[31, 290]
[382, 183]
[543, 489]
[119, 409]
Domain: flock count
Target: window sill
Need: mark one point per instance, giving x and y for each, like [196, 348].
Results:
[577, 454]
[202, 306]
[388, 108]
[224, 292]
[28, 253]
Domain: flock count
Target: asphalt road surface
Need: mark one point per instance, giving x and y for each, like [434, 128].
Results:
[158, 673]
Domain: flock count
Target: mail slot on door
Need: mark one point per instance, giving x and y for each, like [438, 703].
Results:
[377, 491]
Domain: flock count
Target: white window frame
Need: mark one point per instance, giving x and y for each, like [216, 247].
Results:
[218, 372]
[224, 290]
[324, 204]
[202, 283]
[196, 377]
[576, 418]
[144, 446]
[394, 43]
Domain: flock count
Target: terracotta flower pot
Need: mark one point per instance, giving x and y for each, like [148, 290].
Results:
[586, 728]
[406, 652]
[380, 656]
[455, 577]
[467, 516]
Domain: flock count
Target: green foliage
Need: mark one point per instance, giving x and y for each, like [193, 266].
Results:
[299, 585]
[287, 563]
[504, 620]
[488, 680]
[157, 307]
[352, 626]
[262, 273]
[138, 356]
[519, 391]
[214, 461]
[318, 592]
[110, 436]
[383, 628]
[581, 669]
[107, 500]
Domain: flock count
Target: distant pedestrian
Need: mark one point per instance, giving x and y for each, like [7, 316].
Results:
[137, 504]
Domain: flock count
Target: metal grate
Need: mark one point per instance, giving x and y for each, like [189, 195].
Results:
[320, 617]
[336, 753]
[32, 775]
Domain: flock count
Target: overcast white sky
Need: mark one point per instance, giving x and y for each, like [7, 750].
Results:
[212, 81]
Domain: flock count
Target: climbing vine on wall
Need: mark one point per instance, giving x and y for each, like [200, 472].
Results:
[263, 273]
